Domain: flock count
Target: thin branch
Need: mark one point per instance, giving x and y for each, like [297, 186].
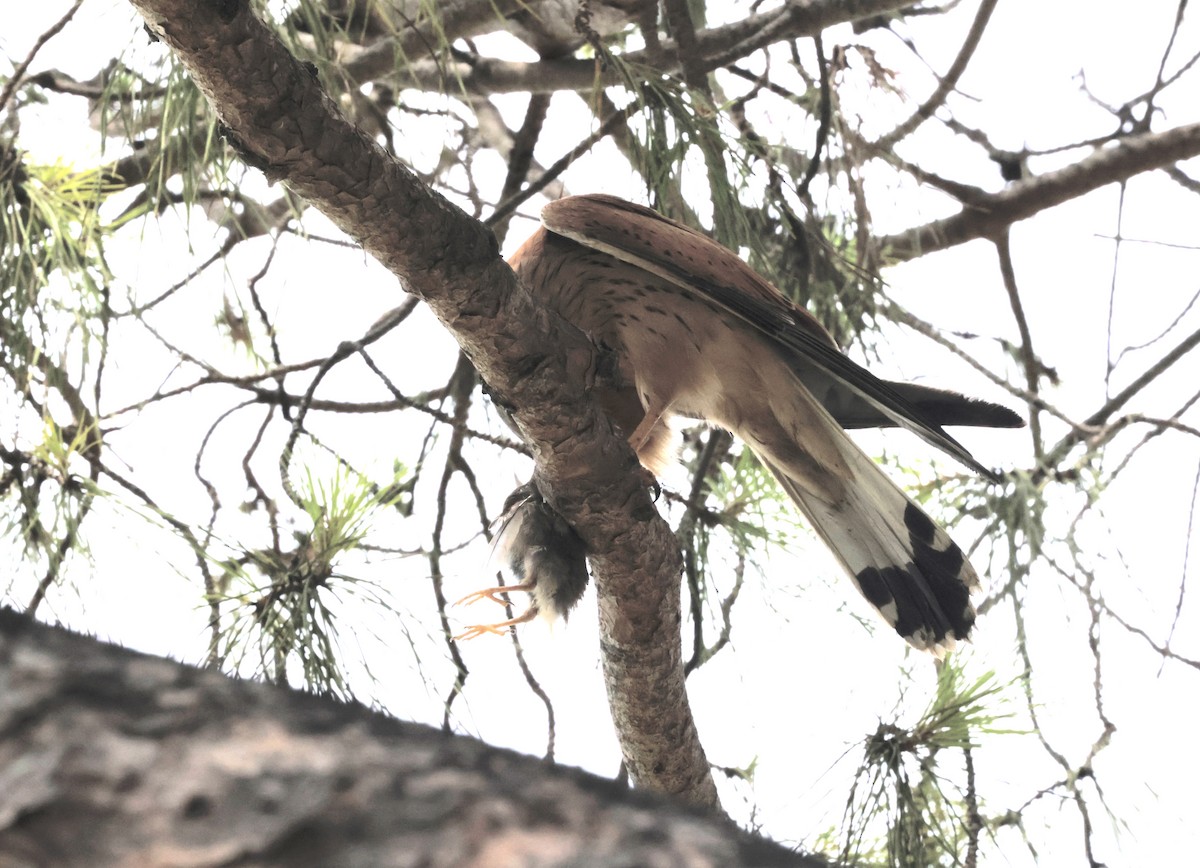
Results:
[1121, 398]
[610, 124]
[520, 157]
[687, 47]
[1109, 364]
[993, 212]
[946, 83]
[824, 120]
[459, 389]
[1162, 334]
[1028, 357]
[19, 73]
[1187, 554]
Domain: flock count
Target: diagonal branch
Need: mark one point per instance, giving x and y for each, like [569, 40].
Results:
[280, 121]
[946, 83]
[990, 214]
[1101, 415]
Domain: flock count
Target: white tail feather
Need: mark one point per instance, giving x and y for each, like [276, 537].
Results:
[900, 559]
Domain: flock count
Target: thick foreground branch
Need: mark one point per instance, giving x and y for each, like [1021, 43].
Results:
[281, 121]
[109, 757]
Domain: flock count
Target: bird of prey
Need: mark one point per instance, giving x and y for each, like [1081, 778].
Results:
[697, 333]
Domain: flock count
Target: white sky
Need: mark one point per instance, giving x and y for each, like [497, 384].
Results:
[782, 697]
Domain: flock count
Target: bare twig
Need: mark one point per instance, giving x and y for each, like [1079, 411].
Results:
[19, 73]
[983, 218]
[1028, 356]
[946, 83]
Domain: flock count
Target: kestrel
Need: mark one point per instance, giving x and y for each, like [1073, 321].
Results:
[697, 333]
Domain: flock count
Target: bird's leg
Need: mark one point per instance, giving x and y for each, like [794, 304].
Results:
[645, 428]
[543, 552]
[652, 439]
[478, 630]
[490, 593]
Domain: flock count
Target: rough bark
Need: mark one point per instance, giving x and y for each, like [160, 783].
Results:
[109, 757]
[283, 122]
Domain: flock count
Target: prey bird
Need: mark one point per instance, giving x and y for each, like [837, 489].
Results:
[695, 332]
[546, 556]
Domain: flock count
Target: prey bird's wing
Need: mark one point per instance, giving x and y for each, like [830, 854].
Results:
[692, 261]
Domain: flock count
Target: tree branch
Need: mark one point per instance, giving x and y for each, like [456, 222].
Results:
[281, 121]
[991, 213]
[714, 47]
[946, 83]
[109, 757]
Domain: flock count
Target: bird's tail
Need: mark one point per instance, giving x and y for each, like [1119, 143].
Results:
[901, 561]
